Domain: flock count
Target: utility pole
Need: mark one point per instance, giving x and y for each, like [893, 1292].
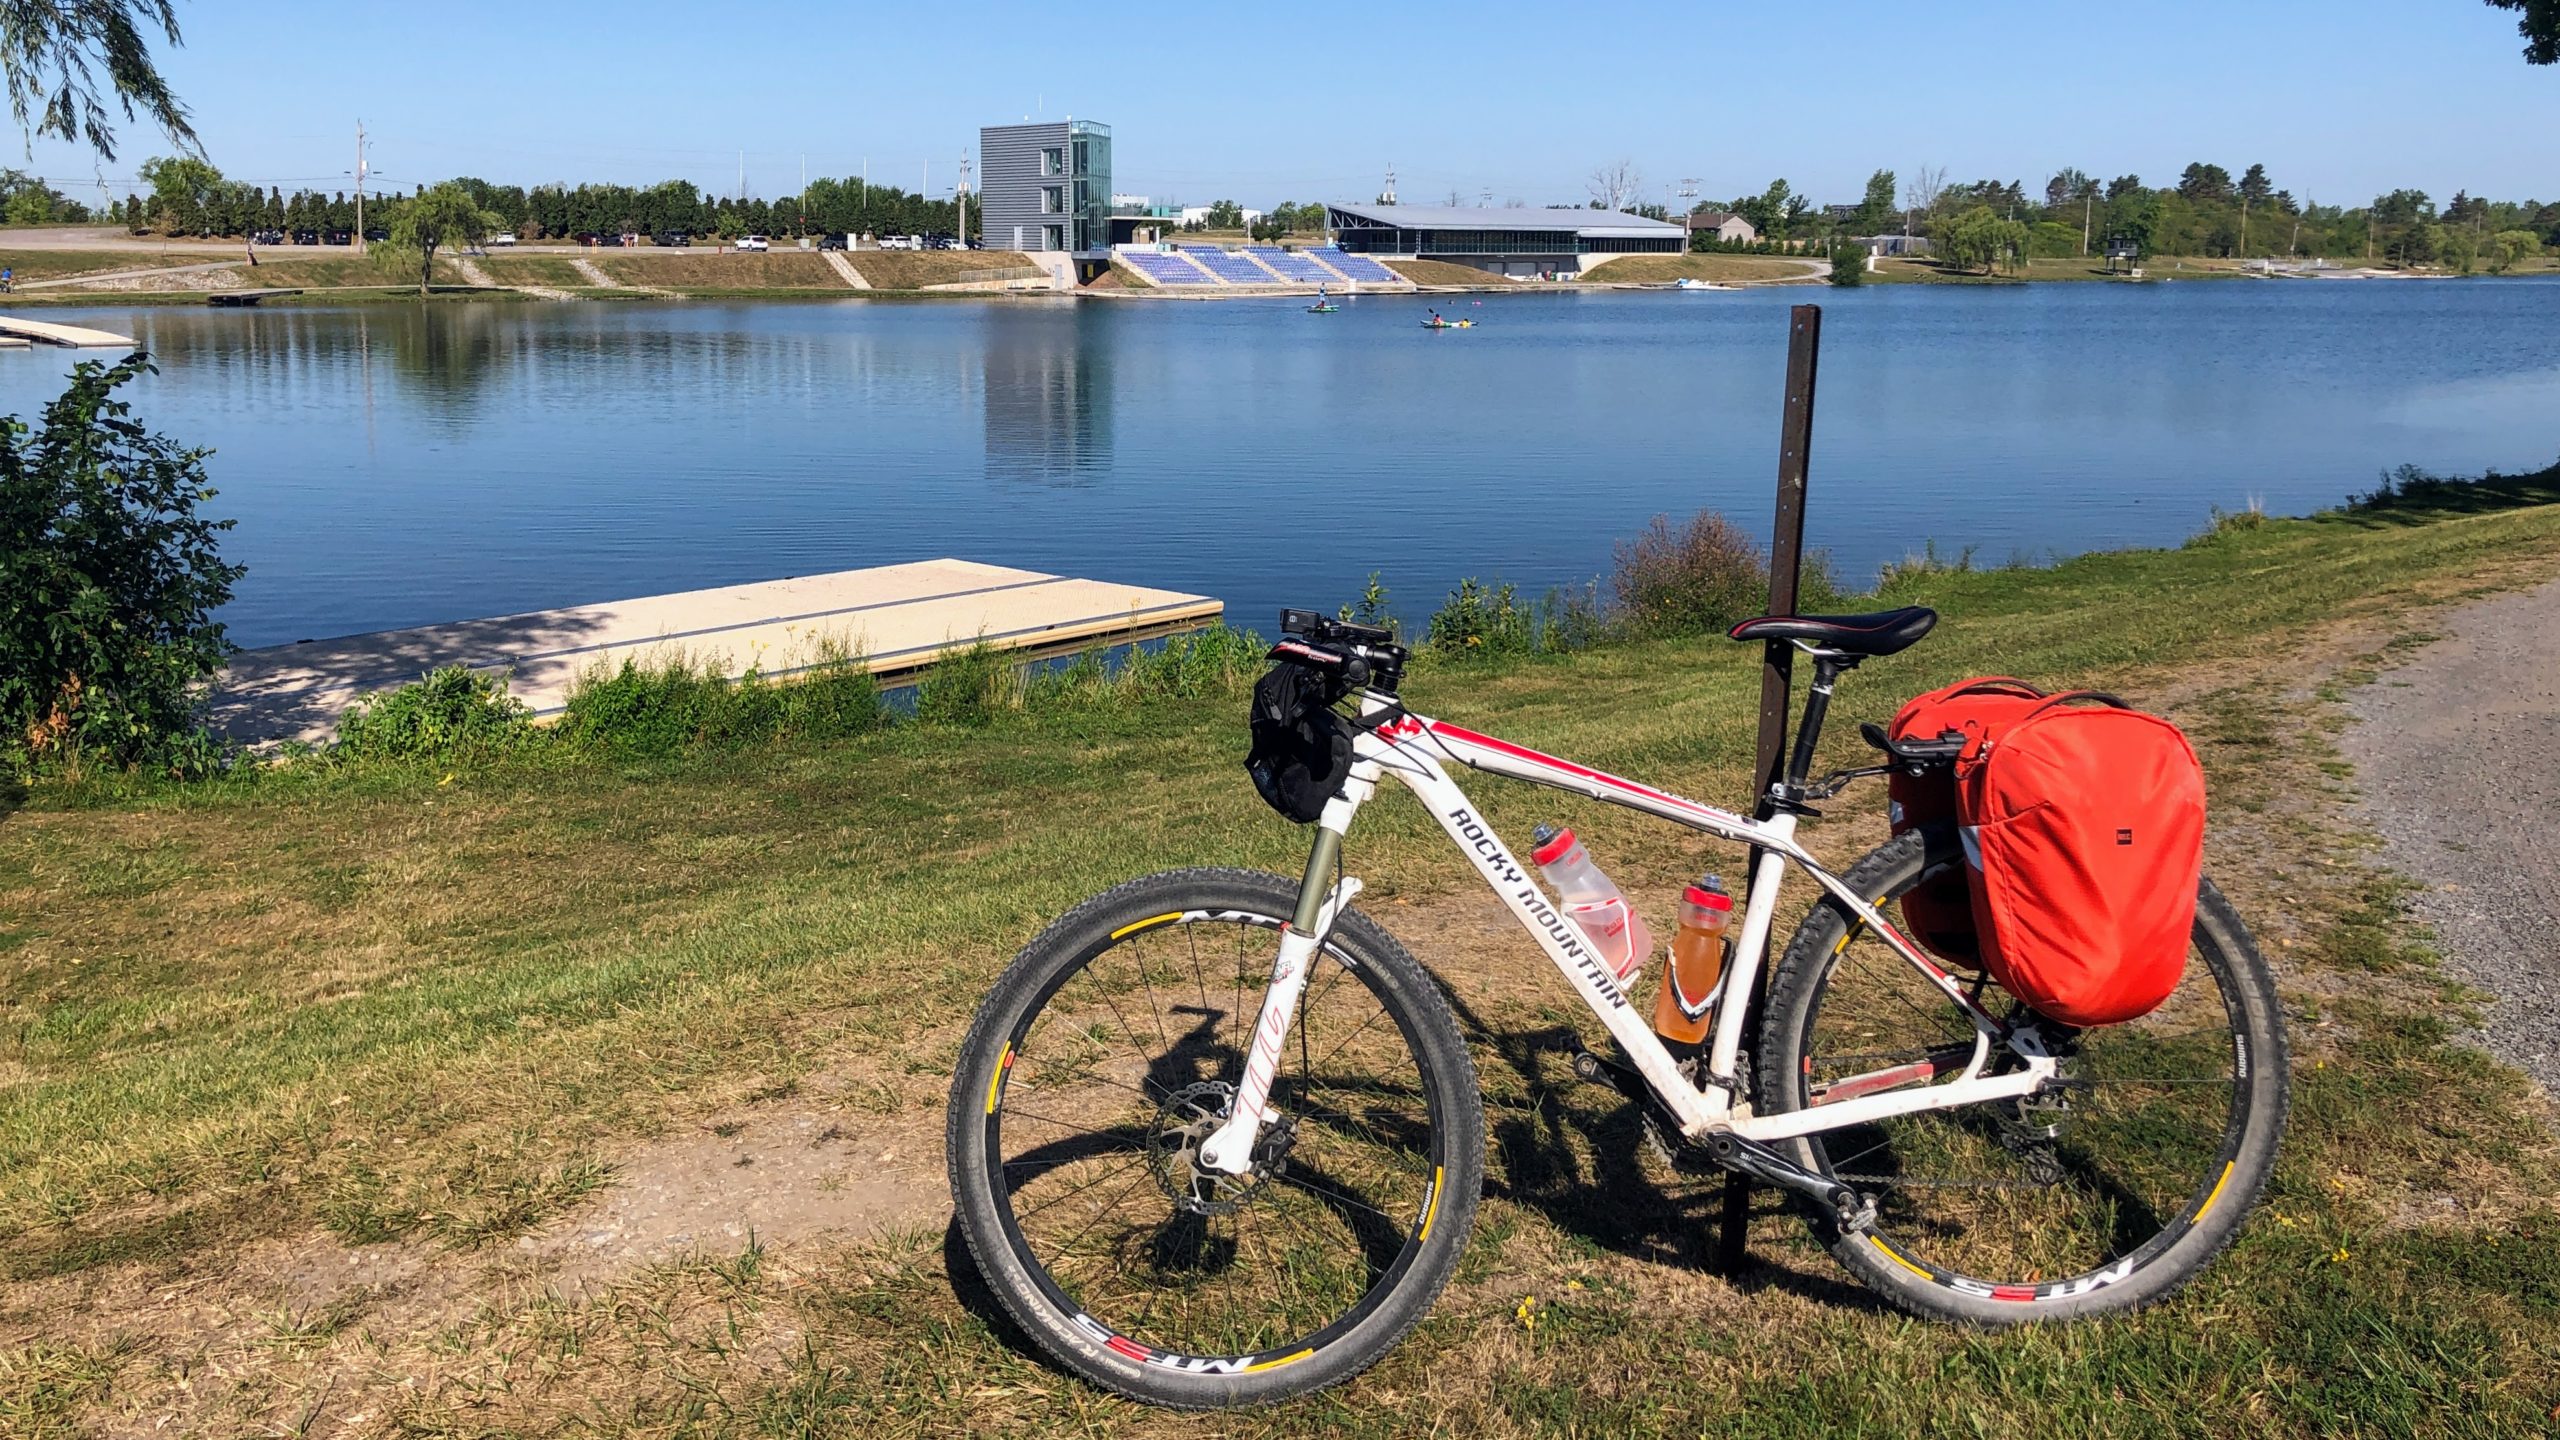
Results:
[360, 174]
[1390, 197]
[804, 193]
[2088, 208]
[742, 177]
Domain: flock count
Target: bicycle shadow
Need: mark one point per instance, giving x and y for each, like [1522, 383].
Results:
[1575, 1153]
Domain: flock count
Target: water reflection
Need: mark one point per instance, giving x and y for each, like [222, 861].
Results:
[1047, 395]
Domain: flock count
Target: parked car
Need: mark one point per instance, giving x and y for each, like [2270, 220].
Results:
[375, 234]
[341, 236]
[306, 237]
[831, 242]
[267, 237]
[671, 239]
[754, 242]
[503, 237]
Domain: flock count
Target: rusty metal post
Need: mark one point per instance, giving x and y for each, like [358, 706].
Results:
[1777, 676]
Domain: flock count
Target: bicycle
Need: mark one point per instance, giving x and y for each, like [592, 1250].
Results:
[1215, 1138]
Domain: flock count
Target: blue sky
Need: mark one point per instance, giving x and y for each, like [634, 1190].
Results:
[1264, 102]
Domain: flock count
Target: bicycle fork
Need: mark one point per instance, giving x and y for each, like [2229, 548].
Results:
[1230, 1149]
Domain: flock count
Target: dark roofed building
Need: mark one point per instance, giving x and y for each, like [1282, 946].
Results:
[1724, 225]
[1517, 241]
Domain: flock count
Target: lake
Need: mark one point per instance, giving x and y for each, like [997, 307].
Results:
[394, 465]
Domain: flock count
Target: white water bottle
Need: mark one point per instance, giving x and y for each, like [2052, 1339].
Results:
[1591, 902]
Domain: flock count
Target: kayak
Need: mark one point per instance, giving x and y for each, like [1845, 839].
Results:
[1323, 309]
[1448, 324]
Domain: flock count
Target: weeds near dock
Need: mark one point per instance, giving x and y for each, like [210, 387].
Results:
[453, 712]
[666, 708]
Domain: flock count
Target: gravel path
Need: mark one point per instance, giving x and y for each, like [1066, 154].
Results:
[2458, 755]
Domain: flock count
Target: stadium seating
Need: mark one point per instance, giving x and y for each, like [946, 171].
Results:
[1166, 269]
[1232, 268]
[1356, 267]
[1292, 266]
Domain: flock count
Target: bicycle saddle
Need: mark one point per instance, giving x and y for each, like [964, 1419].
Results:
[1880, 633]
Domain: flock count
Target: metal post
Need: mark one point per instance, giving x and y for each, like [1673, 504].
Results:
[1777, 675]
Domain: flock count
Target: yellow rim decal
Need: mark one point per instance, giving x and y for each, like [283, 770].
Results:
[1898, 1260]
[2217, 1190]
[1143, 924]
[1431, 1208]
[995, 1083]
[1276, 1364]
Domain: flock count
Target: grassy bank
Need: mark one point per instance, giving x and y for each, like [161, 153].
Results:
[299, 1072]
[1724, 269]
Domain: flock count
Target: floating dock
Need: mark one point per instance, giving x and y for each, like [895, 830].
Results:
[898, 618]
[52, 334]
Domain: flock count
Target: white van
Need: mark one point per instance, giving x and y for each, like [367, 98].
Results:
[754, 242]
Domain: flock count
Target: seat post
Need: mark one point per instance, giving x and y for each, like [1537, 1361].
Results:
[1827, 665]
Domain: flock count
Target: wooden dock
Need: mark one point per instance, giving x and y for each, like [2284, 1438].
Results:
[245, 297]
[900, 618]
[52, 334]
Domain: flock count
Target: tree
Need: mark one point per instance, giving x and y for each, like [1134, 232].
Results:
[2123, 185]
[1614, 186]
[1767, 211]
[2255, 187]
[1921, 195]
[1224, 215]
[440, 216]
[51, 54]
[1875, 211]
[1848, 262]
[1980, 236]
[183, 190]
[2508, 247]
[109, 582]
[2540, 28]
[2204, 182]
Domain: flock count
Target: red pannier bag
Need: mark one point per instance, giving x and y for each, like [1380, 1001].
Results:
[1939, 913]
[2083, 827]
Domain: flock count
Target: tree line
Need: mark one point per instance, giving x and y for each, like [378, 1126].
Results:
[189, 196]
[2206, 212]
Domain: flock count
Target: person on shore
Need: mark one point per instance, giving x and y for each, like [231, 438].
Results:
[8, 279]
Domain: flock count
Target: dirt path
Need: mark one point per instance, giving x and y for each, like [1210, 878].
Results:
[2454, 752]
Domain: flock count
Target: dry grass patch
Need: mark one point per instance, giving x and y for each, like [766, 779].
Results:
[1442, 272]
[1722, 269]
[915, 269]
[742, 270]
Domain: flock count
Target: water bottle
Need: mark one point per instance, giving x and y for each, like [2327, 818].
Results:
[1593, 903]
[1694, 980]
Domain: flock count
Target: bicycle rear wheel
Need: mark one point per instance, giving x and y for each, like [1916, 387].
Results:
[1108, 1053]
[2103, 1195]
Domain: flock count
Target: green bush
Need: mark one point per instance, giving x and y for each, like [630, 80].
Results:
[2231, 522]
[1848, 263]
[1215, 661]
[452, 712]
[1481, 621]
[663, 709]
[968, 688]
[1708, 575]
[108, 584]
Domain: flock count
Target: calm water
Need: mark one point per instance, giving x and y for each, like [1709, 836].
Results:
[393, 466]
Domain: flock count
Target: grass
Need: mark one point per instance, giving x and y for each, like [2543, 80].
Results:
[414, 1012]
[769, 270]
[915, 269]
[58, 264]
[1725, 269]
[553, 271]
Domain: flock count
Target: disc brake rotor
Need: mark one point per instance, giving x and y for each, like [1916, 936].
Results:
[1183, 1123]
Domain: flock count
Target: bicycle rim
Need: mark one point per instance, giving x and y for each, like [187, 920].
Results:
[2049, 1197]
[1118, 1069]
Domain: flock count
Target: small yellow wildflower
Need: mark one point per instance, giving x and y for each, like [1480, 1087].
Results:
[2338, 1256]
[1527, 1313]
[1573, 1284]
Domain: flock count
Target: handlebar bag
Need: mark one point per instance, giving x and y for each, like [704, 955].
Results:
[1938, 913]
[2083, 826]
[1301, 750]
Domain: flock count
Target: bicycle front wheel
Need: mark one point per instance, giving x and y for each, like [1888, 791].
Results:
[1111, 1050]
[2104, 1194]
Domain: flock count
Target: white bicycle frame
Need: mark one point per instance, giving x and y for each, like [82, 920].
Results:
[1414, 748]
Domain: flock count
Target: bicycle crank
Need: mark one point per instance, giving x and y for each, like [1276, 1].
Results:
[1732, 1152]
